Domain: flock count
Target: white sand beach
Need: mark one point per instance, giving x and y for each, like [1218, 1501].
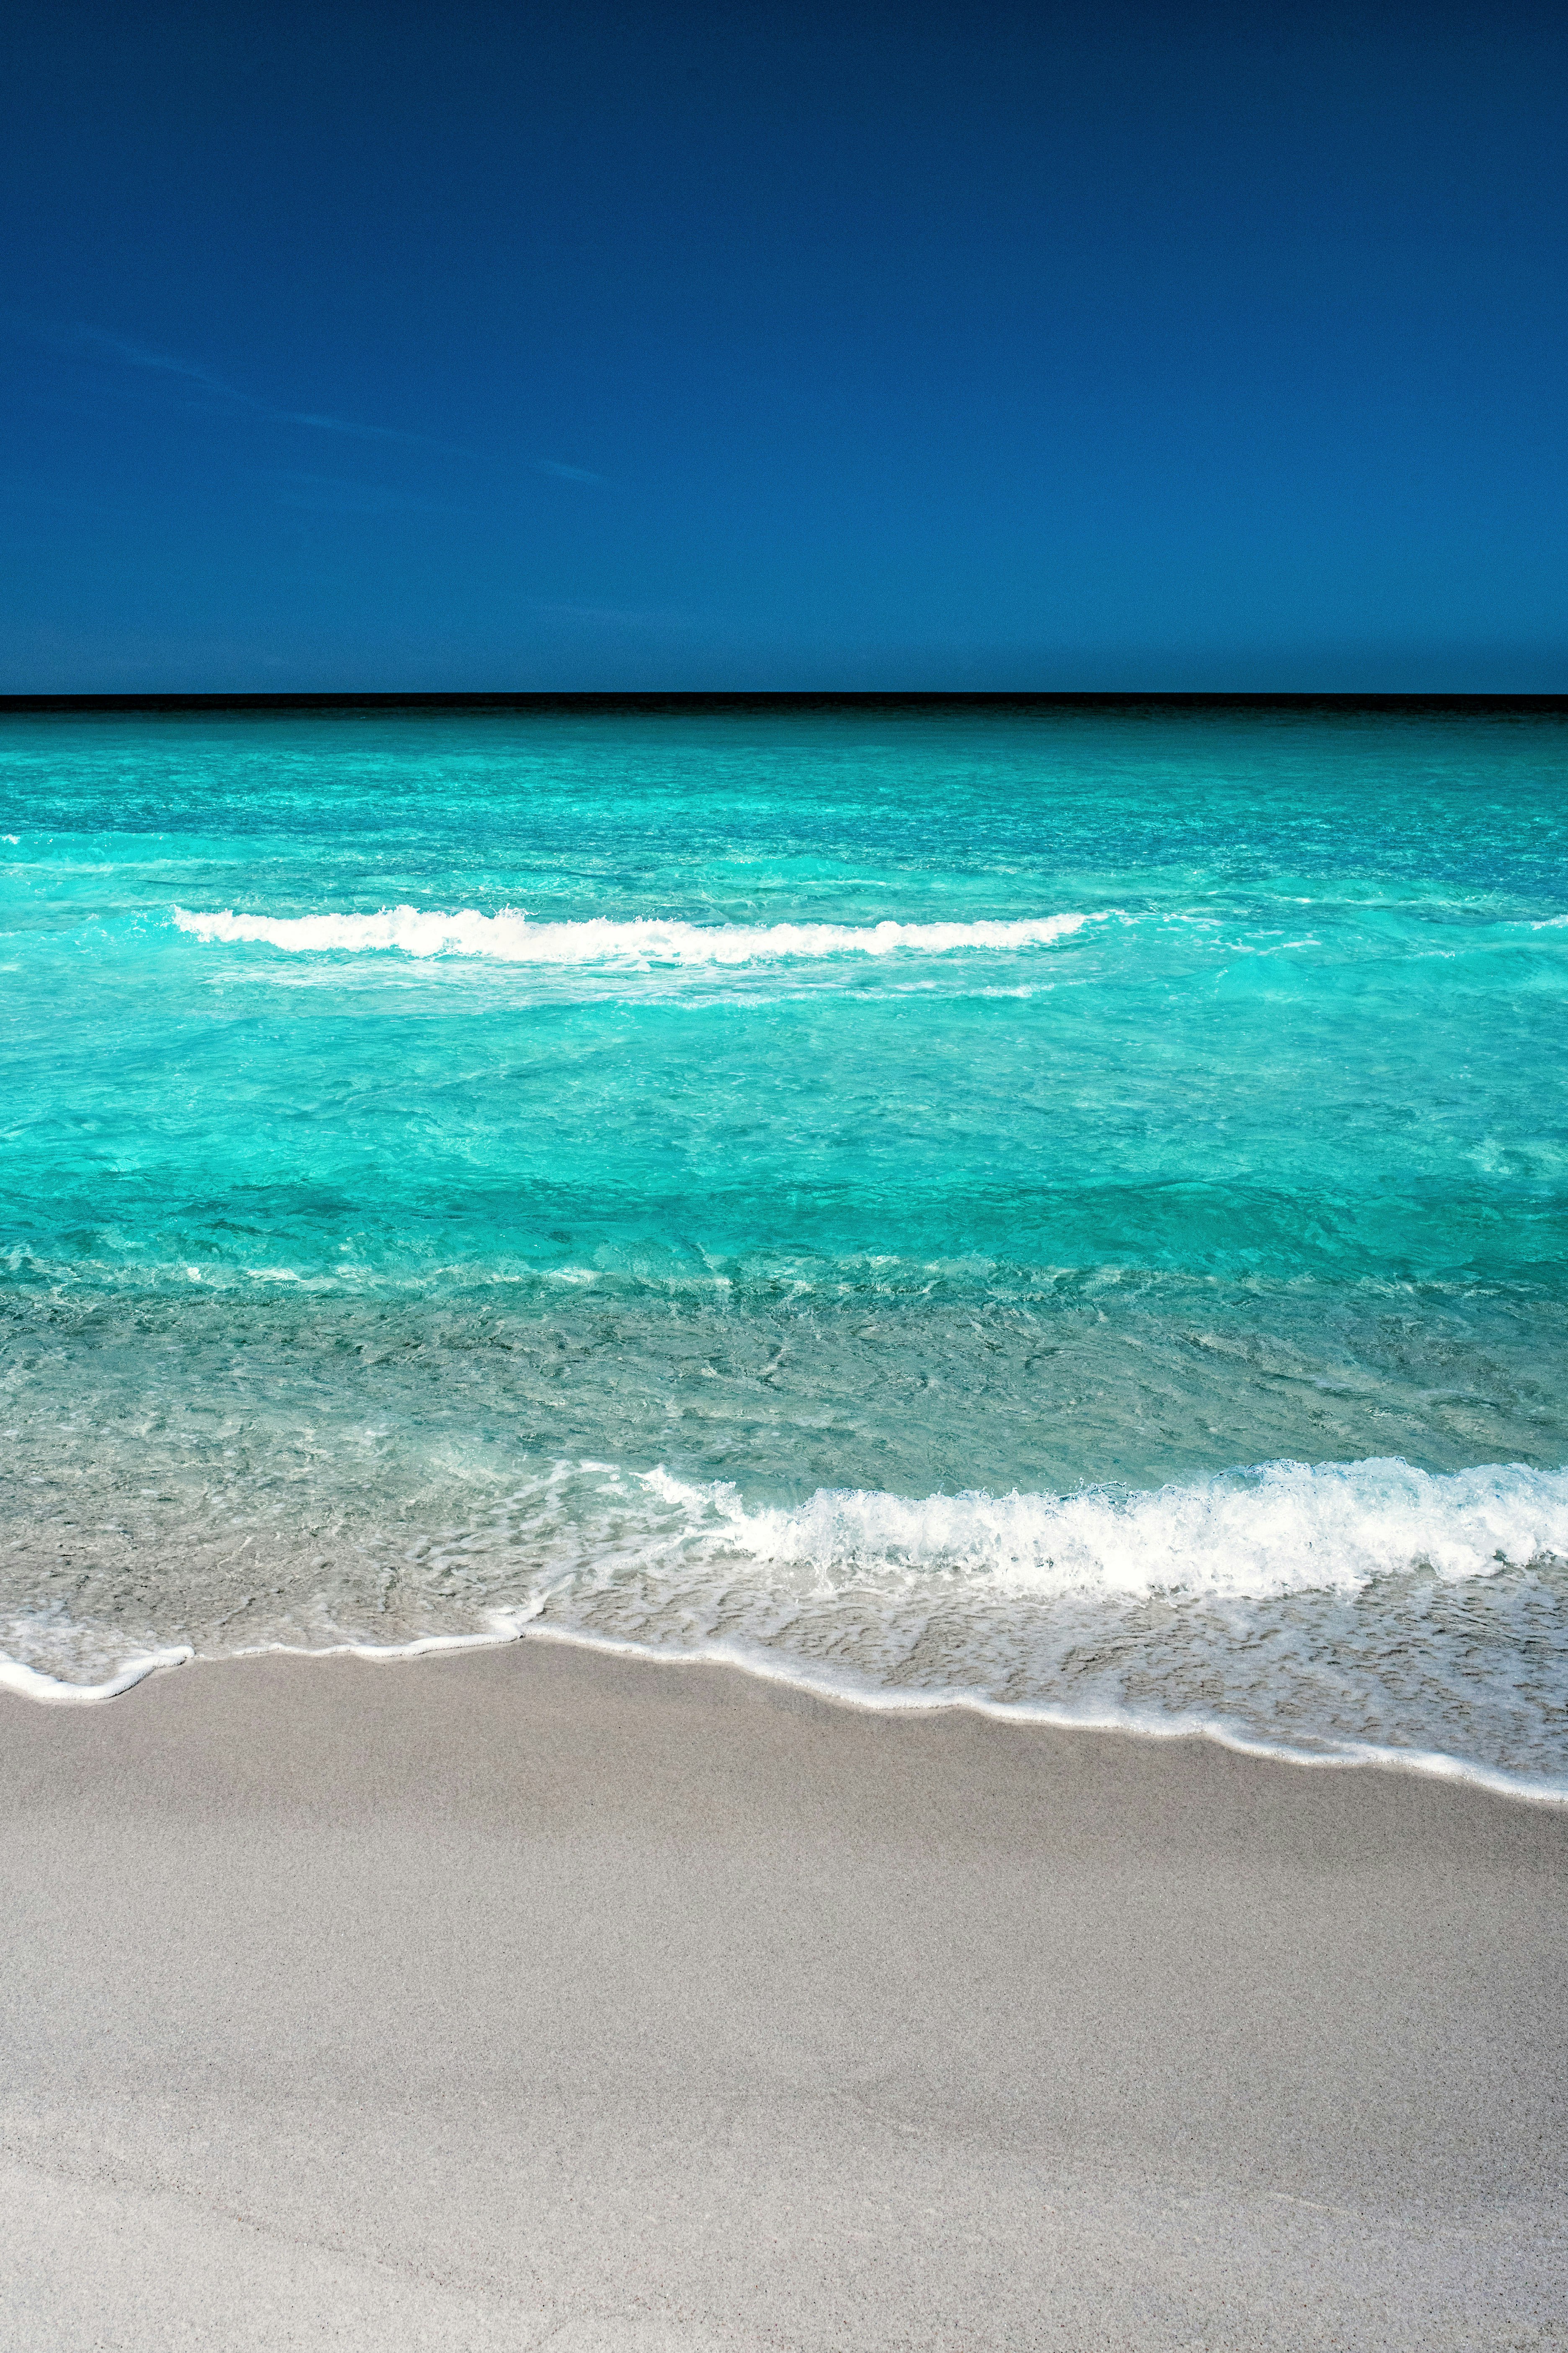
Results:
[537, 1997]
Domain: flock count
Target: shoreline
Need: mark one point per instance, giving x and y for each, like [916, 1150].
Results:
[772, 1668]
[543, 1997]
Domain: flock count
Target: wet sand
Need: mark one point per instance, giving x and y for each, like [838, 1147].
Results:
[529, 1996]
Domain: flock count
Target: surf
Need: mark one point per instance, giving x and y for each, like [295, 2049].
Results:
[511, 937]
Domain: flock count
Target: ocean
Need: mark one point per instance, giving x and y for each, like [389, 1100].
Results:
[1061, 1209]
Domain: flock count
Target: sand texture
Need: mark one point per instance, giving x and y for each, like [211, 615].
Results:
[532, 1996]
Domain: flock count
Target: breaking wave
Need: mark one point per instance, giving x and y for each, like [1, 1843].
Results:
[510, 938]
[1351, 1612]
[1286, 1528]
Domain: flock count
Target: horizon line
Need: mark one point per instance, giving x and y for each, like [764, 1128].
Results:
[787, 698]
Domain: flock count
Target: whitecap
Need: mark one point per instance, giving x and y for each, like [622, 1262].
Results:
[511, 937]
[1284, 1527]
[1360, 1611]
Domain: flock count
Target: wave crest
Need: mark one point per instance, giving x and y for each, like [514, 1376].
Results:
[1286, 1528]
[1338, 1611]
[510, 938]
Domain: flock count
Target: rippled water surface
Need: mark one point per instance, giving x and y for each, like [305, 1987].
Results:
[1061, 1206]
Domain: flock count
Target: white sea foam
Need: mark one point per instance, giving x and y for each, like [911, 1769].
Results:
[1360, 1611]
[510, 938]
[1287, 1528]
[31, 1685]
[825, 1681]
[1365, 1611]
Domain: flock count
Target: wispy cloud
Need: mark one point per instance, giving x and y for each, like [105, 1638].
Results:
[93, 343]
[205, 386]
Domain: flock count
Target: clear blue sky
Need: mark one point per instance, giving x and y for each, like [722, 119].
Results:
[460, 346]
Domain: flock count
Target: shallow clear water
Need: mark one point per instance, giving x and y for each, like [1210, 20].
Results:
[1068, 1207]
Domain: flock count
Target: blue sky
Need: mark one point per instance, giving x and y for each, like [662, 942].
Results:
[462, 346]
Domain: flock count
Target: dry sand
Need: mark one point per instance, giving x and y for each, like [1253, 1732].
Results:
[529, 1997]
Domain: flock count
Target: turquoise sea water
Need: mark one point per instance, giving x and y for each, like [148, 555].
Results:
[1063, 1207]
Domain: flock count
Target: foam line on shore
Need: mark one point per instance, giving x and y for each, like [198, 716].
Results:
[51, 1692]
[1025, 1606]
[504, 1626]
[836, 1689]
[848, 1691]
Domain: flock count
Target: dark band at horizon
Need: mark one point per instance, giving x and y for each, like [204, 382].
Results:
[805, 699]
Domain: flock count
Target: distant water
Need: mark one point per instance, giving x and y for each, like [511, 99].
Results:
[1065, 1208]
